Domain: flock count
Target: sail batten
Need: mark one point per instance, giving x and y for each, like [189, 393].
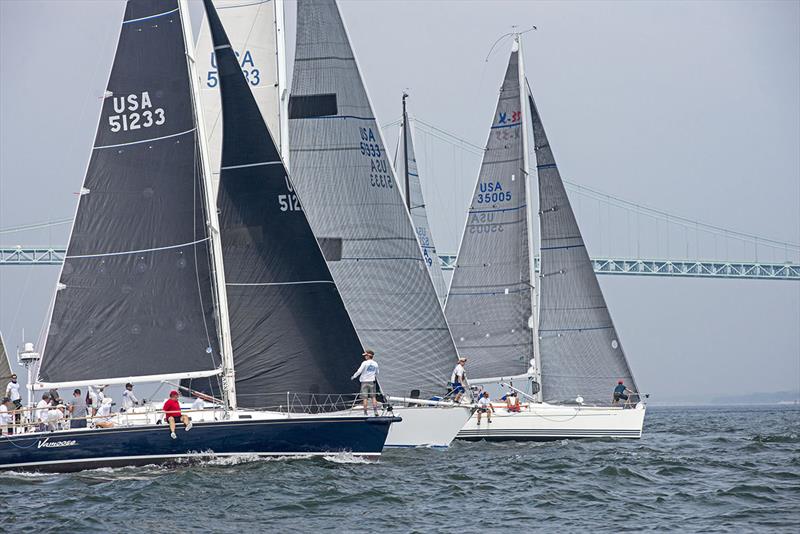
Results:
[349, 190]
[289, 328]
[581, 354]
[488, 305]
[135, 291]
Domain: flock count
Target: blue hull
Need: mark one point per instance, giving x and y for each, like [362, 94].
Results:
[66, 451]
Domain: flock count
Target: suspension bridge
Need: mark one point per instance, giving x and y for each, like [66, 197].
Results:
[652, 242]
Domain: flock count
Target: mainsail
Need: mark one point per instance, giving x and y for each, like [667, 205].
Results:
[348, 189]
[5, 363]
[255, 28]
[418, 209]
[135, 293]
[489, 303]
[289, 327]
[580, 350]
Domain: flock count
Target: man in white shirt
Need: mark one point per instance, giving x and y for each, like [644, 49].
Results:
[12, 392]
[129, 400]
[103, 417]
[368, 374]
[485, 406]
[42, 408]
[5, 416]
[459, 379]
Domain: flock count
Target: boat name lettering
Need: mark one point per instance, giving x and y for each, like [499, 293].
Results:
[47, 443]
[251, 72]
[135, 111]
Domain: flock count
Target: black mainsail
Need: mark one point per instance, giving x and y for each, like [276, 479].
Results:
[581, 353]
[5, 363]
[135, 293]
[289, 327]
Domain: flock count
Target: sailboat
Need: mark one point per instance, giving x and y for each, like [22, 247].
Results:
[562, 358]
[348, 188]
[145, 296]
[406, 165]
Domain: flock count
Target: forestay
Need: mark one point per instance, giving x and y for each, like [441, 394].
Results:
[580, 350]
[289, 327]
[255, 28]
[348, 189]
[419, 212]
[135, 293]
[489, 303]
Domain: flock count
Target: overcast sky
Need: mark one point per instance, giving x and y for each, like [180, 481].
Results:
[690, 107]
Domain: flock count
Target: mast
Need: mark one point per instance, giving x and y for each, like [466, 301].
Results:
[526, 174]
[405, 152]
[218, 270]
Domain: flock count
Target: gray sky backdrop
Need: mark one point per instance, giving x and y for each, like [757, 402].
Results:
[691, 107]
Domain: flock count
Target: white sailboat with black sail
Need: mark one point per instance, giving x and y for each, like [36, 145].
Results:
[155, 289]
[349, 191]
[557, 362]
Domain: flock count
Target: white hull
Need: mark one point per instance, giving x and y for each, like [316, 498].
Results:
[427, 426]
[545, 422]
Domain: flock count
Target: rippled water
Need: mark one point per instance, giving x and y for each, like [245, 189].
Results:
[696, 469]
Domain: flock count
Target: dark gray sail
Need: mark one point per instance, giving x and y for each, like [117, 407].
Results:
[489, 303]
[5, 363]
[135, 294]
[419, 211]
[289, 327]
[581, 353]
[348, 188]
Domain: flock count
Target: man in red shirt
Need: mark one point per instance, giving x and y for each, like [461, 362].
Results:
[172, 412]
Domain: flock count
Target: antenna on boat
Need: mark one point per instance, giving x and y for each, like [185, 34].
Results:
[513, 33]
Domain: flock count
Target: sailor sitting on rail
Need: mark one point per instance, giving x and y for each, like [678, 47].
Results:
[512, 401]
[103, 417]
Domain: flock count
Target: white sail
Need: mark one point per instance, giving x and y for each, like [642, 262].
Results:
[5, 363]
[418, 208]
[255, 28]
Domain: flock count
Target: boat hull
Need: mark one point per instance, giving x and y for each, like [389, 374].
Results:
[427, 426]
[548, 422]
[75, 450]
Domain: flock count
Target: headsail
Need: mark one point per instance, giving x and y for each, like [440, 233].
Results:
[135, 291]
[348, 188]
[289, 326]
[580, 350]
[255, 28]
[418, 209]
[489, 303]
[5, 363]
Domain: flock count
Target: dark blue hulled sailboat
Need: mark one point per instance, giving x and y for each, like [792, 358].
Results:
[154, 289]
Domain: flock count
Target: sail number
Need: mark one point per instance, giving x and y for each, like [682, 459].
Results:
[135, 111]
[289, 201]
[379, 172]
[251, 73]
[491, 192]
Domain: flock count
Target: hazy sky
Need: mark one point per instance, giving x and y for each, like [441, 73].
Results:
[691, 107]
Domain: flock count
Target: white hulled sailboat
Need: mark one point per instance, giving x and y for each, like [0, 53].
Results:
[563, 357]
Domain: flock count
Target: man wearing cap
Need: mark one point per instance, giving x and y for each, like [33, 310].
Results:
[459, 378]
[368, 375]
[620, 392]
[129, 400]
[172, 413]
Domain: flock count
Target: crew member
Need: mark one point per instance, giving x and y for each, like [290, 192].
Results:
[78, 410]
[459, 379]
[129, 400]
[485, 406]
[103, 417]
[5, 417]
[172, 412]
[512, 401]
[620, 392]
[41, 412]
[368, 374]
